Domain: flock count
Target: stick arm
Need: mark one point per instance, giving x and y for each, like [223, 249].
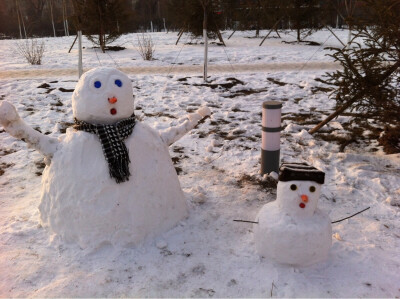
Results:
[173, 134]
[17, 128]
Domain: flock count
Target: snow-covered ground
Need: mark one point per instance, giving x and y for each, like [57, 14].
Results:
[207, 255]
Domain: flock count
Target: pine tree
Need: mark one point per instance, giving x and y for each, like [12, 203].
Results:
[189, 15]
[369, 82]
[101, 20]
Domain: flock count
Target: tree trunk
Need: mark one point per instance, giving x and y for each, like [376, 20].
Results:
[205, 43]
[52, 18]
[19, 21]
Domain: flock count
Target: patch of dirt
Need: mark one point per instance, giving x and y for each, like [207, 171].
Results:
[265, 185]
[301, 118]
[4, 166]
[320, 89]
[390, 140]
[306, 42]
[111, 48]
[178, 170]
[277, 81]
[245, 92]
[159, 114]
[47, 87]
[44, 85]
[64, 126]
[57, 104]
[231, 82]
[5, 152]
[178, 149]
[65, 89]
[177, 159]
[40, 165]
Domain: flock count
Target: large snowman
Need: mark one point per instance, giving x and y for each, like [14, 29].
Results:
[292, 230]
[109, 179]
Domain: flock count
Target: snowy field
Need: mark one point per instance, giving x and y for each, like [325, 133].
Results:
[207, 255]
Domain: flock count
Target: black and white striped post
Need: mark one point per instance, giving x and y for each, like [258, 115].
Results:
[270, 141]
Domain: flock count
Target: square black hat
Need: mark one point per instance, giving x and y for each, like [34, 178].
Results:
[300, 172]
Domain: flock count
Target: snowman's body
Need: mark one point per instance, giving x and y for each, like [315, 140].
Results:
[93, 209]
[292, 230]
[82, 201]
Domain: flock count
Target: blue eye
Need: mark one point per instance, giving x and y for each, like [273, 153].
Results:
[118, 83]
[97, 84]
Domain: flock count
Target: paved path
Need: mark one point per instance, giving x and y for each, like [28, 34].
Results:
[180, 69]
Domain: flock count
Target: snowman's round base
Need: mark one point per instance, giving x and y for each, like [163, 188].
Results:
[286, 240]
[83, 205]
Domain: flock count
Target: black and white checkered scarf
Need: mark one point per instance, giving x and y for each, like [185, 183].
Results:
[112, 141]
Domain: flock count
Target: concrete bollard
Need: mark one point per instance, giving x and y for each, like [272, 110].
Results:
[270, 141]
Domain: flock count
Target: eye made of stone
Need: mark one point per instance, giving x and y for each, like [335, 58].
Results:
[293, 187]
[118, 82]
[97, 84]
[312, 189]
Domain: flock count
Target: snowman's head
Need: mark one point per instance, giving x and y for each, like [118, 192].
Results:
[299, 188]
[103, 96]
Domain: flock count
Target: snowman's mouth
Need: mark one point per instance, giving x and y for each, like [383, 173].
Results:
[113, 111]
[302, 205]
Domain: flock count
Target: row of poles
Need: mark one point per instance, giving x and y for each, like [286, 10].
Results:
[50, 4]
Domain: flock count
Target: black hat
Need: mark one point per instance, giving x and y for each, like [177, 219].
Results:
[300, 172]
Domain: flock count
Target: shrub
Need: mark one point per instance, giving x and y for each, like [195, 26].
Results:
[145, 46]
[32, 50]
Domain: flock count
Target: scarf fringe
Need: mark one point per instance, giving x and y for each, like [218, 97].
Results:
[119, 168]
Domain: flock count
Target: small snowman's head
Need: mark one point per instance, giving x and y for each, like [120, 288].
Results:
[103, 96]
[299, 188]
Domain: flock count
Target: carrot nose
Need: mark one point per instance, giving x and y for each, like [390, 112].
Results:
[304, 198]
[112, 100]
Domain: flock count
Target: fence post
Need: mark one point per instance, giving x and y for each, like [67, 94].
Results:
[270, 141]
[80, 70]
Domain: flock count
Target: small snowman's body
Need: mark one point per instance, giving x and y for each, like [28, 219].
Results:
[109, 179]
[292, 230]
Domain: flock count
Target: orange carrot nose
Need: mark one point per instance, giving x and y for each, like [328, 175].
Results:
[112, 100]
[304, 198]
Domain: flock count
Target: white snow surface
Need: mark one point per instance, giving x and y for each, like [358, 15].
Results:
[206, 255]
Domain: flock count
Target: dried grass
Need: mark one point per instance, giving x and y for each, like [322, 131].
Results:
[32, 50]
[145, 46]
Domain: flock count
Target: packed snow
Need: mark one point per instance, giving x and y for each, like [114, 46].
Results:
[292, 230]
[218, 162]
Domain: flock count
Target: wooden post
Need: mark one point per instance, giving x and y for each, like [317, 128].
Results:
[80, 70]
[51, 14]
[180, 35]
[73, 43]
[273, 28]
[231, 34]
[19, 21]
[220, 37]
[205, 43]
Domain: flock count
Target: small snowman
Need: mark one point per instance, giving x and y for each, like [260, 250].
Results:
[292, 230]
[110, 178]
